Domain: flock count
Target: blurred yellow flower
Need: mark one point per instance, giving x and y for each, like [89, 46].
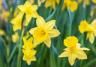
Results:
[31, 1]
[90, 29]
[84, 26]
[2, 32]
[17, 22]
[29, 10]
[71, 5]
[28, 50]
[44, 31]
[94, 1]
[15, 37]
[51, 3]
[86, 2]
[73, 50]
[40, 2]
[5, 14]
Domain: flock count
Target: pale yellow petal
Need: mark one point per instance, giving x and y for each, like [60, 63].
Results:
[21, 8]
[91, 37]
[85, 49]
[72, 59]
[35, 7]
[51, 24]
[32, 30]
[28, 19]
[40, 21]
[54, 33]
[48, 42]
[64, 54]
[93, 24]
[81, 55]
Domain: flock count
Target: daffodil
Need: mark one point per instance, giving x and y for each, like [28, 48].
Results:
[29, 10]
[29, 55]
[71, 5]
[15, 37]
[28, 50]
[17, 22]
[73, 50]
[51, 3]
[94, 1]
[90, 29]
[44, 31]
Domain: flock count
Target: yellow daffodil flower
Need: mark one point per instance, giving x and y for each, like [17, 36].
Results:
[28, 50]
[90, 29]
[17, 22]
[73, 50]
[29, 10]
[44, 31]
[94, 1]
[71, 5]
[29, 55]
[51, 3]
[15, 37]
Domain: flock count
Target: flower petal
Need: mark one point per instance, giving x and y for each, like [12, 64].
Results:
[81, 55]
[72, 59]
[50, 24]
[48, 42]
[32, 30]
[91, 37]
[54, 33]
[40, 21]
[64, 54]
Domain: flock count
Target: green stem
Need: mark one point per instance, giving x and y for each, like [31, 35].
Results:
[20, 50]
[52, 59]
[13, 51]
[69, 24]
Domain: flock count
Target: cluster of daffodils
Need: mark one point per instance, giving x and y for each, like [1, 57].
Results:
[90, 29]
[42, 33]
[46, 30]
[73, 50]
[4, 14]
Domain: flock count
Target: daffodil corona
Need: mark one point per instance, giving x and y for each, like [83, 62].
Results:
[73, 50]
[44, 31]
